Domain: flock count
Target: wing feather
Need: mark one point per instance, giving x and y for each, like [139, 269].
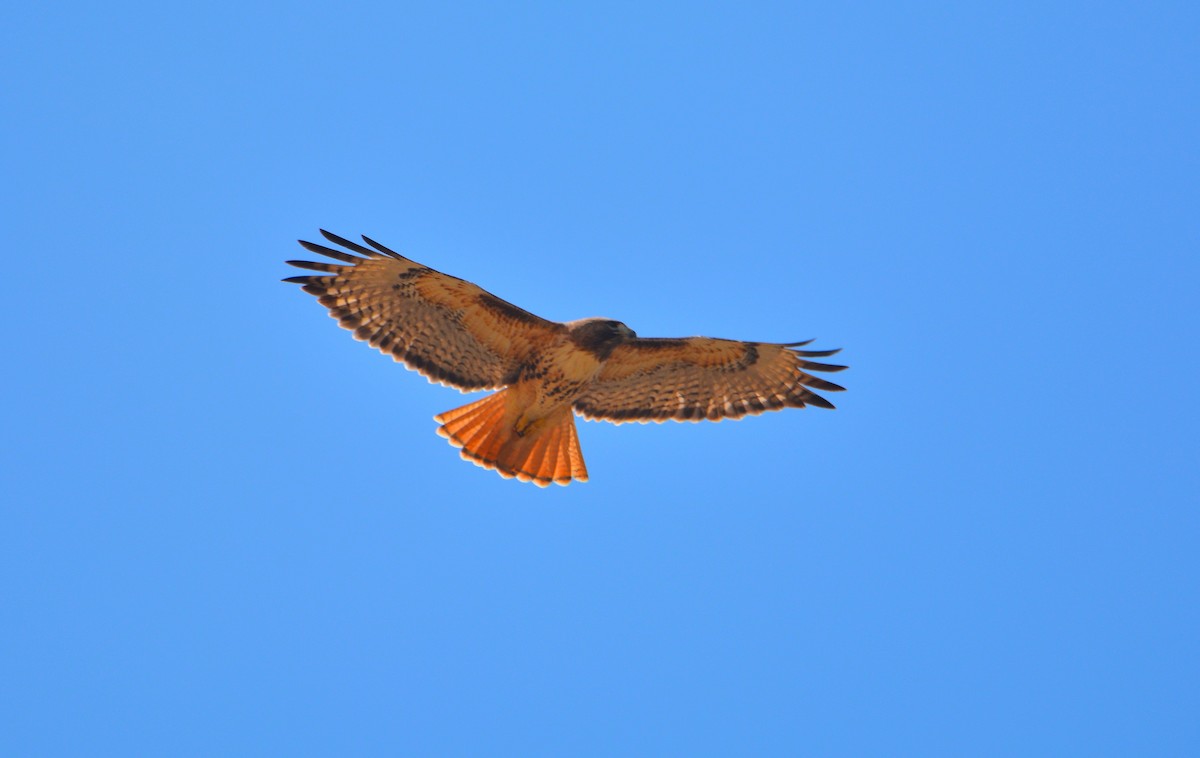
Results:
[698, 378]
[450, 330]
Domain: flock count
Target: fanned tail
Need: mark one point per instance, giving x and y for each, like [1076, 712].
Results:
[547, 452]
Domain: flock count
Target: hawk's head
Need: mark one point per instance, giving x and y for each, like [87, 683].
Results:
[600, 336]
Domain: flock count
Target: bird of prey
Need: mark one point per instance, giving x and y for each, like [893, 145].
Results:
[457, 334]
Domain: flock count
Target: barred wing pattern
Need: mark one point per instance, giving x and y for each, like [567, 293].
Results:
[697, 378]
[450, 330]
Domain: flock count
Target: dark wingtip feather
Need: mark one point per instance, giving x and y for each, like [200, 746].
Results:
[337, 255]
[331, 236]
[349, 245]
[821, 384]
[829, 367]
[328, 268]
[381, 248]
[820, 402]
[297, 279]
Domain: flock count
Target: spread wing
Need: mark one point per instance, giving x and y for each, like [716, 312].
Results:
[448, 329]
[698, 378]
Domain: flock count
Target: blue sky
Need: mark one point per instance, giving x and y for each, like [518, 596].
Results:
[230, 529]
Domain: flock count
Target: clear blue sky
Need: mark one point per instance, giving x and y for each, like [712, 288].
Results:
[230, 529]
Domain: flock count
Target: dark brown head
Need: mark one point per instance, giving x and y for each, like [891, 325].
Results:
[599, 336]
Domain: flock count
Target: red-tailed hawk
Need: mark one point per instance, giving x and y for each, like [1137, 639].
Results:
[457, 334]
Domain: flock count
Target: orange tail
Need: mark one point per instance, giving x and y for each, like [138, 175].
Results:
[486, 431]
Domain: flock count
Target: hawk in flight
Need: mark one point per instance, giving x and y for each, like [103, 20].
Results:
[456, 333]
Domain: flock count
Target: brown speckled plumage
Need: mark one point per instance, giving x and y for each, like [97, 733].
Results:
[457, 334]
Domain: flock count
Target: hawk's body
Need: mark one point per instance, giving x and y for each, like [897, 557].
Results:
[455, 333]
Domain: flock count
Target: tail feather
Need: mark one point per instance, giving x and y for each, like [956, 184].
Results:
[562, 460]
[544, 450]
[476, 429]
[546, 454]
[462, 425]
[574, 451]
[486, 432]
